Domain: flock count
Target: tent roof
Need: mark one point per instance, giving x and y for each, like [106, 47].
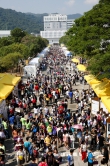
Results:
[1, 75]
[34, 60]
[101, 89]
[1, 100]
[89, 78]
[81, 67]
[94, 81]
[106, 102]
[5, 90]
[75, 60]
[9, 79]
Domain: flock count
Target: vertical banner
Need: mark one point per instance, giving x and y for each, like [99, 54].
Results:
[95, 107]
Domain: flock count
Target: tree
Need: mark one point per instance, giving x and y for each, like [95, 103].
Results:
[15, 47]
[10, 60]
[18, 34]
[35, 44]
[90, 37]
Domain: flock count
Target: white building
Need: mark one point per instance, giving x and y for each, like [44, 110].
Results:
[70, 23]
[5, 33]
[55, 26]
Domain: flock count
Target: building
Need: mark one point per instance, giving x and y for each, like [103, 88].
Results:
[70, 23]
[5, 33]
[55, 26]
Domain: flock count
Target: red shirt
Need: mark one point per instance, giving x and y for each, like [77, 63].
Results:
[60, 109]
[33, 100]
[36, 87]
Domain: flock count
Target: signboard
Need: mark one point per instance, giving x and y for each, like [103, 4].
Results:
[95, 107]
[108, 129]
[104, 108]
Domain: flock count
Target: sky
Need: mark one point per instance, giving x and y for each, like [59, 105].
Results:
[49, 6]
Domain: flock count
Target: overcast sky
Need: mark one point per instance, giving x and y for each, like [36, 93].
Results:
[49, 6]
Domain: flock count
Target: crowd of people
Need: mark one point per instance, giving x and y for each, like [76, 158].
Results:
[41, 122]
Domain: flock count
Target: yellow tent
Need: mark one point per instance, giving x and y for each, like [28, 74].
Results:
[9, 79]
[89, 78]
[81, 67]
[1, 75]
[94, 81]
[101, 89]
[75, 60]
[14, 78]
[1, 100]
[106, 101]
[5, 90]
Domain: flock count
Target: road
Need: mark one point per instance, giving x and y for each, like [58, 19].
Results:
[11, 160]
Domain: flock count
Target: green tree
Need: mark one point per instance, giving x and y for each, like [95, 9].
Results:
[90, 37]
[10, 61]
[18, 34]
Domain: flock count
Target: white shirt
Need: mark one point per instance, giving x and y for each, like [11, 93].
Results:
[2, 135]
[36, 111]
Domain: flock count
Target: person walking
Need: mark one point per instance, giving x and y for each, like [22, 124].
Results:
[90, 158]
[71, 96]
[70, 158]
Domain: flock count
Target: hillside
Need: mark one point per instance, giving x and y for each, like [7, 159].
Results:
[74, 16]
[10, 19]
[30, 22]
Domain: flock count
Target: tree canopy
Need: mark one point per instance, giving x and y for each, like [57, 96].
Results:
[20, 45]
[90, 37]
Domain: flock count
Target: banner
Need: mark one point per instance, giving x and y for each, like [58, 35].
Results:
[104, 108]
[95, 107]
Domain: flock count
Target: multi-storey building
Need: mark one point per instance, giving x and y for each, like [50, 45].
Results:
[55, 26]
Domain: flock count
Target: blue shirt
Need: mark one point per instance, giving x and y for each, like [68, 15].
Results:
[90, 157]
[11, 119]
[70, 94]
[27, 144]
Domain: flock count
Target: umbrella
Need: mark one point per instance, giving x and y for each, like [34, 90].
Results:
[78, 126]
[75, 60]
[81, 67]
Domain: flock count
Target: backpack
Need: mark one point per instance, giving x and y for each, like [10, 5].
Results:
[35, 153]
[34, 130]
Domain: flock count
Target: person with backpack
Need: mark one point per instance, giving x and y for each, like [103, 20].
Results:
[35, 152]
[43, 162]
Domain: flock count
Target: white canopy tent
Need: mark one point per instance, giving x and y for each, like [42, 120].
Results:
[30, 70]
[68, 53]
[35, 61]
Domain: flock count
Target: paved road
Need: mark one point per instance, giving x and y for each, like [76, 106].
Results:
[64, 153]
